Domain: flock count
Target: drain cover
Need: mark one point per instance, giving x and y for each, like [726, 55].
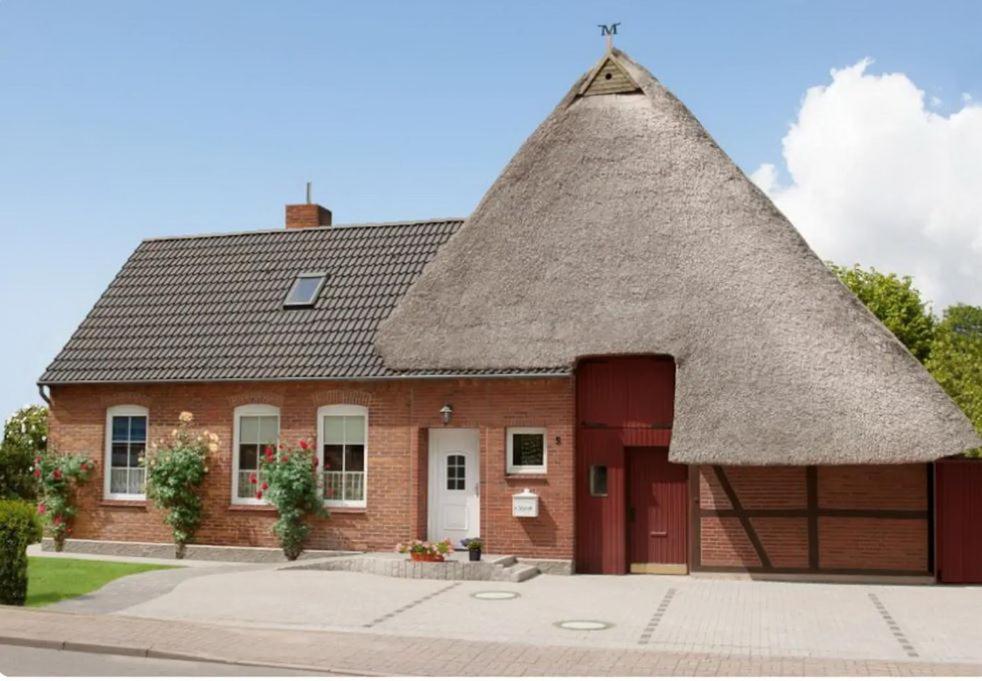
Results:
[583, 625]
[495, 595]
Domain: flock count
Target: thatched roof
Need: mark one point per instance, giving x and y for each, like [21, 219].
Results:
[620, 227]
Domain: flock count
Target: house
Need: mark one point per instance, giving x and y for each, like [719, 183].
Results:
[625, 358]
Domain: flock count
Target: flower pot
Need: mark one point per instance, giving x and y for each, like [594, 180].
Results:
[475, 555]
[425, 558]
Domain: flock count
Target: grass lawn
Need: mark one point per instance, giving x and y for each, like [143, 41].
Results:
[54, 579]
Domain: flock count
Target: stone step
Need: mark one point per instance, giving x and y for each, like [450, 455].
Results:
[504, 561]
[521, 573]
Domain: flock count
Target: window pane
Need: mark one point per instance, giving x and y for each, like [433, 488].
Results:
[120, 455]
[247, 490]
[333, 486]
[136, 452]
[354, 430]
[118, 481]
[138, 428]
[248, 457]
[333, 457]
[333, 430]
[121, 428]
[598, 481]
[355, 460]
[249, 429]
[354, 486]
[303, 290]
[528, 449]
[269, 430]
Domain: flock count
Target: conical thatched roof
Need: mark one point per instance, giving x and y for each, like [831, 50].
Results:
[620, 227]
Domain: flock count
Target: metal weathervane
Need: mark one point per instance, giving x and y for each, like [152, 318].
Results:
[609, 31]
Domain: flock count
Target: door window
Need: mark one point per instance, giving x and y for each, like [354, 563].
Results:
[456, 472]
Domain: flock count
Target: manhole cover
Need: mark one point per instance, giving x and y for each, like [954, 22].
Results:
[583, 625]
[495, 595]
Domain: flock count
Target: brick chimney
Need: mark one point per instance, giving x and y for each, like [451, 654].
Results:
[303, 215]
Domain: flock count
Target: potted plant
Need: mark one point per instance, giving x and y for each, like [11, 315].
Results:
[474, 546]
[426, 552]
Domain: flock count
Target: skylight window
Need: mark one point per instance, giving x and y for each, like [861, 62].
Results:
[305, 290]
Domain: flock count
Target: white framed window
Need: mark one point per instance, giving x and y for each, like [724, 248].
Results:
[256, 427]
[527, 450]
[125, 476]
[342, 434]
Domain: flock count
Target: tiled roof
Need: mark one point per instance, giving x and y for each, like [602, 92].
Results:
[211, 307]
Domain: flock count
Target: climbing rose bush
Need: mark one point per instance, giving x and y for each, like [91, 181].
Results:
[289, 482]
[175, 471]
[57, 476]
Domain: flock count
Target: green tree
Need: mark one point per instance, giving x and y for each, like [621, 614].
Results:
[895, 302]
[25, 435]
[956, 359]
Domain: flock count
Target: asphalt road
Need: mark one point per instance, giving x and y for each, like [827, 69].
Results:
[25, 661]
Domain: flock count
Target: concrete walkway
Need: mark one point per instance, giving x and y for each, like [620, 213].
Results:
[718, 618]
[367, 653]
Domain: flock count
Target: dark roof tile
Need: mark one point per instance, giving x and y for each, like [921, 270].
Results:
[211, 307]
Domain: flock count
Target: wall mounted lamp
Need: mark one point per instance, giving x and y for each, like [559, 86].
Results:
[446, 411]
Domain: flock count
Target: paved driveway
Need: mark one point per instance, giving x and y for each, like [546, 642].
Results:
[677, 614]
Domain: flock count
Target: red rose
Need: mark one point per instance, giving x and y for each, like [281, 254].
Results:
[57, 474]
[269, 451]
[37, 472]
[37, 459]
[259, 495]
[41, 508]
[265, 485]
[304, 445]
[284, 458]
[57, 520]
[270, 457]
[253, 479]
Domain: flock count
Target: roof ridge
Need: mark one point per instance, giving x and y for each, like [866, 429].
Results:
[283, 230]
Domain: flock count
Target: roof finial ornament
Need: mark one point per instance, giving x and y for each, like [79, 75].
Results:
[609, 31]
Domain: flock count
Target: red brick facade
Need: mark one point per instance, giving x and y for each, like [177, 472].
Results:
[400, 412]
[827, 518]
[845, 519]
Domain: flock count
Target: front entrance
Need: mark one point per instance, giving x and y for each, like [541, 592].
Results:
[454, 484]
[657, 505]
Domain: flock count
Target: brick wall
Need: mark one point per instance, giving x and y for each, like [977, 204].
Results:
[860, 519]
[400, 412]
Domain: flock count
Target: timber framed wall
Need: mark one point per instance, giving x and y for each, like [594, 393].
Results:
[864, 520]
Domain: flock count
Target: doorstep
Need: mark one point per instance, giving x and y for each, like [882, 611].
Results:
[456, 568]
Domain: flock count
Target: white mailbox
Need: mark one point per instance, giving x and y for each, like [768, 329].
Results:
[525, 504]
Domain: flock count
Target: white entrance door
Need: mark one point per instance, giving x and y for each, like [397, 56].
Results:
[454, 494]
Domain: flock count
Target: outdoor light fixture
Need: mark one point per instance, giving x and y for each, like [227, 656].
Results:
[446, 411]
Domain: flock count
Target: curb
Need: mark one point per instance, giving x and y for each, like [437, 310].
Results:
[154, 653]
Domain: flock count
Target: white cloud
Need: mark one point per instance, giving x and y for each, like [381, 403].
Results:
[878, 179]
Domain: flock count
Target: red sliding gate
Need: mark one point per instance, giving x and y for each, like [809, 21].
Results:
[959, 520]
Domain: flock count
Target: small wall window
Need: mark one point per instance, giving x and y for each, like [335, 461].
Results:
[342, 431]
[598, 481]
[126, 446]
[527, 451]
[256, 427]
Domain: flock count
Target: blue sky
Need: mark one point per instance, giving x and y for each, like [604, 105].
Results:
[125, 120]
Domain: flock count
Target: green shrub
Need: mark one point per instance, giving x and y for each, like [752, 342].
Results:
[24, 435]
[19, 527]
[57, 476]
[288, 479]
[175, 472]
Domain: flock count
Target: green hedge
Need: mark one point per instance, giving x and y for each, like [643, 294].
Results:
[19, 527]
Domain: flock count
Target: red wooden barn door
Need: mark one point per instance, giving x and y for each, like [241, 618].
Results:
[959, 520]
[622, 403]
[657, 511]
